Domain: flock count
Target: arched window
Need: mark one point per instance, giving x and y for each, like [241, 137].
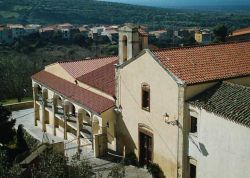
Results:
[73, 110]
[39, 90]
[125, 48]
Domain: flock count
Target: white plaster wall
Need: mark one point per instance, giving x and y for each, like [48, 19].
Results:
[163, 98]
[227, 145]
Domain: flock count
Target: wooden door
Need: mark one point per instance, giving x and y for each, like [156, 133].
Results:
[146, 149]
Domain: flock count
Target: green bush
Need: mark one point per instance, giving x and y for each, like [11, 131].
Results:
[155, 170]
[118, 171]
[131, 159]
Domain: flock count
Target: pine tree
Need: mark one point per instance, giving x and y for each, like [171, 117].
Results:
[7, 132]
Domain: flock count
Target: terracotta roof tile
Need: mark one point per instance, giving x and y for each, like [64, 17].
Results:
[73, 92]
[82, 67]
[242, 31]
[226, 99]
[102, 78]
[207, 63]
[142, 32]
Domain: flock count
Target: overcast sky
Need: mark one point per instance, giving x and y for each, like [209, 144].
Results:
[185, 2]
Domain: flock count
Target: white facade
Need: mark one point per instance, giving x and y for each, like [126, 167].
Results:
[220, 147]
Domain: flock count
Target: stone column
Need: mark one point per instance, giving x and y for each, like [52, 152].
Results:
[54, 105]
[43, 116]
[79, 127]
[66, 113]
[44, 100]
[36, 108]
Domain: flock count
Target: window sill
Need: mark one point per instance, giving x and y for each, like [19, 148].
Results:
[146, 109]
[194, 134]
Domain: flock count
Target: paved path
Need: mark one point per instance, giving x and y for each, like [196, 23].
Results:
[25, 117]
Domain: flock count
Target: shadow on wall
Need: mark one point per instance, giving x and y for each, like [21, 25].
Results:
[124, 138]
[203, 149]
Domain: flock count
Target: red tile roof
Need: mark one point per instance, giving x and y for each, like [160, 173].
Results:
[207, 63]
[73, 92]
[242, 31]
[102, 78]
[142, 32]
[82, 67]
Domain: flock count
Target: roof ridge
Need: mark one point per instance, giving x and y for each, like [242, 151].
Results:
[201, 46]
[85, 59]
[237, 85]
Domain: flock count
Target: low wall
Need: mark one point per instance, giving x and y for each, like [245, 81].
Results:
[19, 106]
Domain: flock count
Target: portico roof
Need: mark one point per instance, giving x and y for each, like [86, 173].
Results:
[73, 92]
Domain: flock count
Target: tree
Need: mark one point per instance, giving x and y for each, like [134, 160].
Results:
[50, 164]
[79, 39]
[17, 71]
[220, 33]
[78, 169]
[7, 132]
[21, 144]
[3, 163]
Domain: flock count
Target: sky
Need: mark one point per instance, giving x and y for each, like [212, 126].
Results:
[166, 3]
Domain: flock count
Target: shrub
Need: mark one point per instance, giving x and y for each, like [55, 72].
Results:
[131, 159]
[155, 170]
[118, 171]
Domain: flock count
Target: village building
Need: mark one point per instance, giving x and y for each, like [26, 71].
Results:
[31, 29]
[203, 36]
[84, 31]
[5, 35]
[166, 105]
[17, 30]
[239, 35]
[158, 33]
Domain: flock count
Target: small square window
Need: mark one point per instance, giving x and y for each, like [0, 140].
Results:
[146, 97]
[193, 127]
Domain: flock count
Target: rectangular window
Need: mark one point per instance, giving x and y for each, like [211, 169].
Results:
[192, 171]
[146, 97]
[193, 128]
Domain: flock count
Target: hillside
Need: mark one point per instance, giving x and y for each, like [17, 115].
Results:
[98, 12]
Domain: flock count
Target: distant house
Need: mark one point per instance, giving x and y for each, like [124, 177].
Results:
[239, 35]
[65, 29]
[47, 32]
[95, 32]
[5, 35]
[157, 33]
[203, 36]
[84, 31]
[17, 30]
[31, 29]
[111, 34]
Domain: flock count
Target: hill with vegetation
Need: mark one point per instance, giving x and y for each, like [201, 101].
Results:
[99, 12]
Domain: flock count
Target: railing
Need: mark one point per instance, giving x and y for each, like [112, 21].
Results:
[49, 103]
[72, 118]
[60, 110]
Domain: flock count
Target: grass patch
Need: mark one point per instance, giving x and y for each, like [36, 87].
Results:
[9, 14]
[14, 100]
[20, 8]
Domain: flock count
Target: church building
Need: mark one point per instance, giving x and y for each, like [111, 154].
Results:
[186, 109]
